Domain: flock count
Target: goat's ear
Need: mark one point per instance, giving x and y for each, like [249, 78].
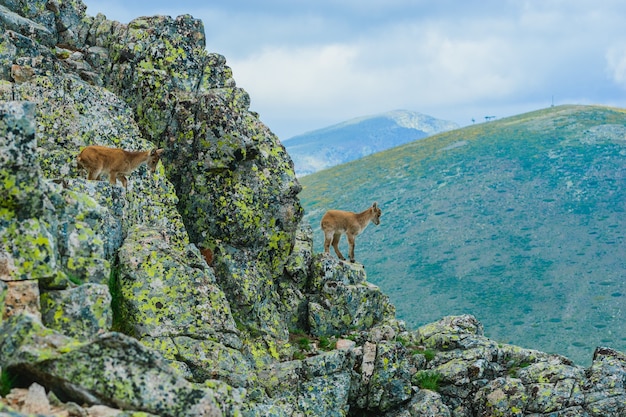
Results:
[375, 205]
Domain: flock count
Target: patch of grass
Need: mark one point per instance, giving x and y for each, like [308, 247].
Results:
[427, 380]
[74, 279]
[515, 368]
[120, 322]
[304, 343]
[7, 382]
[327, 344]
[429, 354]
[116, 299]
[403, 341]
[297, 332]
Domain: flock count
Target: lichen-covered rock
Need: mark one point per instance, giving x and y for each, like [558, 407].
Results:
[110, 369]
[344, 300]
[170, 300]
[252, 293]
[81, 312]
[90, 205]
[328, 269]
[301, 256]
[27, 245]
[72, 114]
[384, 380]
[506, 397]
[48, 22]
[234, 180]
[604, 389]
[451, 332]
[425, 403]
[294, 285]
[208, 359]
[21, 190]
[27, 248]
[166, 292]
[315, 386]
[552, 385]
[47, 233]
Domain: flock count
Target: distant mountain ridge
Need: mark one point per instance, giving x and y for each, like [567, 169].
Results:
[519, 221]
[359, 137]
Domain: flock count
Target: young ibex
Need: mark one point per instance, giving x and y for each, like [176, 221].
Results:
[336, 222]
[116, 162]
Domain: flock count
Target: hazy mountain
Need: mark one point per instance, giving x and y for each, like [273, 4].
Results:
[518, 221]
[359, 137]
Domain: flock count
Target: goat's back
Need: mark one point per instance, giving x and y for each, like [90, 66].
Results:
[337, 220]
[105, 160]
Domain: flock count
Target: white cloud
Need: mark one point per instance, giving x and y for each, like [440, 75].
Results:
[616, 65]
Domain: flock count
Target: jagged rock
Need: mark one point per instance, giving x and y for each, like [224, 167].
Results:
[234, 180]
[425, 403]
[21, 190]
[497, 379]
[317, 386]
[502, 397]
[293, 288]
[604, 388]
[101, 208]
[385, 380]
[344, 300]
[82, 312]
[170, 301]
[111, 369]
[16, 23]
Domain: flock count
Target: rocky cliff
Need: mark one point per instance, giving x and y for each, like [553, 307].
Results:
[195, 290]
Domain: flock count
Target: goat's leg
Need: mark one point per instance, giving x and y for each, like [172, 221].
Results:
[93, 175]
[351, 245]
[112, 177]
[328, 237]
[336, 238]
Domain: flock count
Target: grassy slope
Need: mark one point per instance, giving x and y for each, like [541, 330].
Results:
[518, 221]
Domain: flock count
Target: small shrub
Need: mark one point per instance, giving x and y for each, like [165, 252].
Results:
[427, 380]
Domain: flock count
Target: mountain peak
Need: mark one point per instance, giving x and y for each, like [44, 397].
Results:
[359, 137]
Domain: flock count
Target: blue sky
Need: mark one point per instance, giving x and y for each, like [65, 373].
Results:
[308, 64]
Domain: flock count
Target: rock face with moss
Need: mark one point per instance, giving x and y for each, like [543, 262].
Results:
[195, 291]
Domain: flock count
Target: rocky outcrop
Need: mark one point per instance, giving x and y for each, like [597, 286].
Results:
[195, 290]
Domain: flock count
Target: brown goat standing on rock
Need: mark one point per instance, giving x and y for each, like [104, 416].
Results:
[115, 162]
[336, 222]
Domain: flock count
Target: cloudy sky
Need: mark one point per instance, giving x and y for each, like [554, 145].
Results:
[308, 64]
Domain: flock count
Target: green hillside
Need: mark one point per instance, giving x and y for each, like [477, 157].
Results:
[518, 221]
